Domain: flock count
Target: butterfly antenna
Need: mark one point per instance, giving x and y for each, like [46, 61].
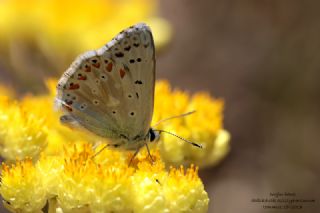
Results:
[181, 138]
[176, 116]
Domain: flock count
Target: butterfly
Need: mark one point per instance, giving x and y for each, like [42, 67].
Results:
[110, 91]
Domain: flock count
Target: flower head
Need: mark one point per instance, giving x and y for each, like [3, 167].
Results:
[22, 133]
[77, 181]
[204, 127]
[22, 187]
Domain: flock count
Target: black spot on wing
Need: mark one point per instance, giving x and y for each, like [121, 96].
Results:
[119, 54]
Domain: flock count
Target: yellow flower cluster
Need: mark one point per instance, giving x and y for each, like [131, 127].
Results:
[31, 126]
[21, 132]
[70, 179]
[78, 182]
[44, 36]
[204, 127]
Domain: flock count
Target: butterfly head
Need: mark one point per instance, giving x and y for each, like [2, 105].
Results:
[154, 135]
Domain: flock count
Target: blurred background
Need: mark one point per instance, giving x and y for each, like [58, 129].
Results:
[261, 57]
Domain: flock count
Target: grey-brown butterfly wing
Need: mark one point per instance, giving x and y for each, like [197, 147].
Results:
[110, 91]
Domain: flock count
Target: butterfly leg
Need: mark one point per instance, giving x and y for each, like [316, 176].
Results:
[107, 145]
[100, 151]
[152, 160]
[96, 145]
[134, 155]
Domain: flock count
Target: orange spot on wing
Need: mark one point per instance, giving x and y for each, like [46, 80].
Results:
[122, 73]
[109, 67]
[74, 86]
[69, 102]
[87, 68]
[82, 77]
[97, 65]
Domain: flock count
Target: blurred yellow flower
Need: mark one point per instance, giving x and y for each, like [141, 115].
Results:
[44, 36]
[204, 127]
[22, 133]
[76, 182]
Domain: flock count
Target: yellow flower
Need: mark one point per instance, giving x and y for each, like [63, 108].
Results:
[58, 135]
[70, 179]
[75, 181]
[181, 183]
[21, 187]
[204, 127]
[22, 133]
[45, 36]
